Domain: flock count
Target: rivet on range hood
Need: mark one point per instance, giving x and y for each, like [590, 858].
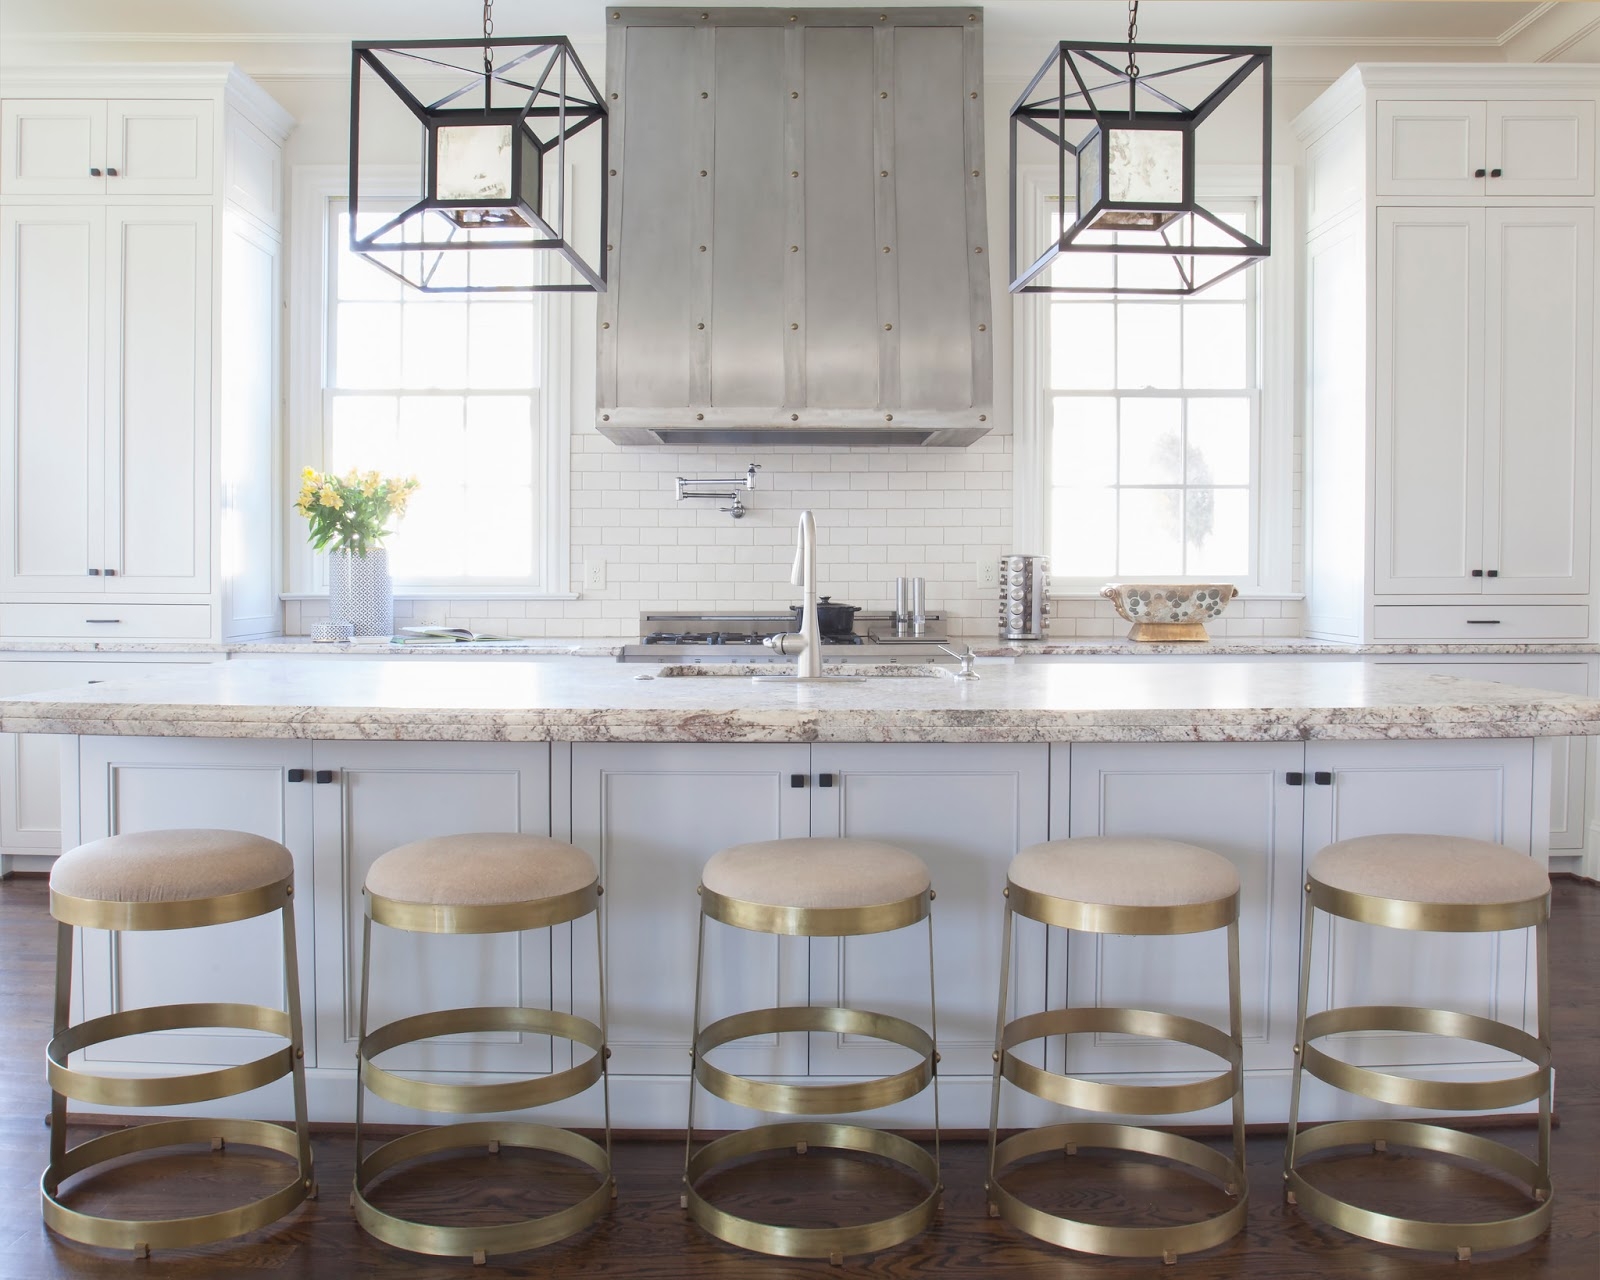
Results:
[799, 249]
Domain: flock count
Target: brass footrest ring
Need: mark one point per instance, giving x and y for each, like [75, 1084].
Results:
[1125, 1099]
[510, 1095]
[1410, 1091]
[812, 1242]
[171, 1233]
[814, 1099]
[466, 1242]
[1120, 1242]
[168, 1091]
[1417, 1233]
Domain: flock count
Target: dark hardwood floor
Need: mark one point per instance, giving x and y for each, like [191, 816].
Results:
[648, 1238]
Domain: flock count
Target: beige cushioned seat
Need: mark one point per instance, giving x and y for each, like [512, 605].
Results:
[1122, 871]
[170, 866]
[816, 873]
[1421, 868]
[483, 869]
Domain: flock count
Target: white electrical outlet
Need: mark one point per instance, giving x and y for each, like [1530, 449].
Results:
[989, 572]
[594, 575]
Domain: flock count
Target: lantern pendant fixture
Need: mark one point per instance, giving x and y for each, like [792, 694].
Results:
[509, 173]
[1121, 144]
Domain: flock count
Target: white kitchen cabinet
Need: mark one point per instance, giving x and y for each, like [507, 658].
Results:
[1450, 360]
[30, 764]
[1435, 147]
[125, 147]
[139, 355]
[1477, 789]
[651, 815]
[369, 798]
[965, 811]
[1235, 799]
[1484, 409]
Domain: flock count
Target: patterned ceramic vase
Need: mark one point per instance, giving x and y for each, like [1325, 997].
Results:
[361, 592]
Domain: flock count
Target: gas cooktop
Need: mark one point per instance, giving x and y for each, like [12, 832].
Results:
[737, 637]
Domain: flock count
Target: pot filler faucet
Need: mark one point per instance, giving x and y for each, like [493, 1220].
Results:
[805, 646]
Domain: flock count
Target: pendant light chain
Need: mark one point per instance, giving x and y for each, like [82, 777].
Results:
[1133, 34]
[488, 30]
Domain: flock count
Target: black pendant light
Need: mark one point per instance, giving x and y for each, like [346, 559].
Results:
[496, 206]
[1123, 142]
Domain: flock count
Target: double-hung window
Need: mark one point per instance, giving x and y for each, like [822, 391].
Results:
[1157, 453]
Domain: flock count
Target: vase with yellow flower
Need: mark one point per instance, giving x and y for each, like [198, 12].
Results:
[349, 518]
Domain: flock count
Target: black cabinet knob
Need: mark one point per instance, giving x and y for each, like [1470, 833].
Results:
[111, 573]
[1491, 573]
[797, 779]
[1478, 173]
[111, 173]
[1322, 778]
[297, 775]
[1295, 779]
[94, 573]
[324, 775]
[1477, 573]
[824, 779]
[94, 173]
[1494, 173]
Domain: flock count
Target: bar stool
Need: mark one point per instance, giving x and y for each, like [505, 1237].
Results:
[481, 883]
[1436, 884]
[1142, 887]
[813, 888]
[151, 880]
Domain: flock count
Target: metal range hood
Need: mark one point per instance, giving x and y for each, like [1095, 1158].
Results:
[798, 247]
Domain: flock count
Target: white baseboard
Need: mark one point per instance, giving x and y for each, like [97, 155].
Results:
[10, 862]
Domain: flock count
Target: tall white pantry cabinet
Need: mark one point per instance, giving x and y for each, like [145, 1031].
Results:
[140, 246]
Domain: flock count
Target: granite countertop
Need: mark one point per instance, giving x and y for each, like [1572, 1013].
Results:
[610, 646]
[1091, 701]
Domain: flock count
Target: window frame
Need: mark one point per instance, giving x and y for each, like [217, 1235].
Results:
[1272, 516]
[318, 189]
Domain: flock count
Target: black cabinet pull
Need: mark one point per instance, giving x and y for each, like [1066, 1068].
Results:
[111, 573]
[104, 620]
[1477, 573]
[1494, 173]
[94, 173]
[1295, 779]
[297, 775]
[797, 779]
[1322, 778]
[324, 775]
[111, 173]
[824, 779]
[94, 573]
[1483, 622]
[1491, 573]
[1478, 173]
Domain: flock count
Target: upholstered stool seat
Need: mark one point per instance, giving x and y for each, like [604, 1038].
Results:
[1137, 886]
[487, 882]
[1433, 884]
[813, 888]
[161, 880]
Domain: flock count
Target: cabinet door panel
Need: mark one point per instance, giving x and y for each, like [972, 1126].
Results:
[159, 147]
[1231, 798]
[52, 343]
[965, 811]
[1429, 148]
[1476, 789]
[145, 784]
[1541, 148]
[387, 794]
[158, 423]
[49, 146]
[1538, 399]
[651, 815]
[1429, 335]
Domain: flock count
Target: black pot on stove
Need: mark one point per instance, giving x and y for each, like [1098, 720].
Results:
[834, 619]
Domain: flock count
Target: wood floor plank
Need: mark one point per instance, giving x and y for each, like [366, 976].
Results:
[648, 1238]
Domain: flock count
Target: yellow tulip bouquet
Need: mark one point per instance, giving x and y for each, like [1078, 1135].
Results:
[352, 512]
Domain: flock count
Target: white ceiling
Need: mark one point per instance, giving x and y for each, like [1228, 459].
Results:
[1289, 22]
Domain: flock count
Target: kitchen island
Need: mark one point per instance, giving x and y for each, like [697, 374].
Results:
[343, 759]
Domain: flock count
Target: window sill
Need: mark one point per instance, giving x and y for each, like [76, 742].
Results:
[439, 593]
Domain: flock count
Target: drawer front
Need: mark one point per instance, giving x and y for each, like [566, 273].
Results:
[103, 620]
[1485, 622]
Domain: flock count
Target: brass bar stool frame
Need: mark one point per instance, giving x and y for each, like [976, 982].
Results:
[141, 1235]
[832, 1243]
[479, 1242]
[1166, 1242]
[1461, 1238]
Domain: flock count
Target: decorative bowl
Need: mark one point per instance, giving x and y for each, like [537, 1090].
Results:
[1168, 610]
